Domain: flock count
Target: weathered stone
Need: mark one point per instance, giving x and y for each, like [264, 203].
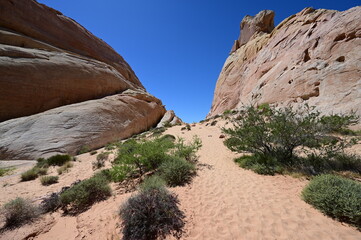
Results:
[66, 129]
[312, 57]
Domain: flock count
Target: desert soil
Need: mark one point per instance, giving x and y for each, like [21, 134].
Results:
[223, 201]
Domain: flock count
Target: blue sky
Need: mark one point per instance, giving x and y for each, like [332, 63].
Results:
[177, 47]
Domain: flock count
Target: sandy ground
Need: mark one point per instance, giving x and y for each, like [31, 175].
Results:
[224, 201]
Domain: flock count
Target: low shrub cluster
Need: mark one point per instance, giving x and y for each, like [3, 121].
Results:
[293, 139]
[48, 180]
[65, 167]
[335, 196]
[169, 157]
[82, 195]
[33, 173]
[100, 161]
[5, 171]
[18, 212]
[153, 213]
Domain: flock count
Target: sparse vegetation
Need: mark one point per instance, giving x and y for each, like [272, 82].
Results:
[32, 174]
[82, 195]
[93, 152]
[64, 168]
[48, 180]
[177, 171]
[335, 196]
[100, 161]
[51, 203]
[18, 212]
[152, 214]
[58, 160]
[83, 149]
[273, 135]
[6, 171]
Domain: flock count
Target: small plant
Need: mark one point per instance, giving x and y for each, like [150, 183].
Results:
[177, 171]
[152, 214]
[29, 175]
[84, 194]
[261, 164]
[226, 112]
[93, 152]
[48, 180]
[100, 161]
[158, 131]
[5, 171]
[167, 124]
[58, 160]
[153, 182]
[65, 168]
[18, 212]
[83, 149]
[335, 196]
[187, 151]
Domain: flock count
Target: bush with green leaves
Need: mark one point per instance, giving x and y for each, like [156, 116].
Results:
[65, 167]
[100, 160]
[33, 173]
[151, 214]
[261, 164]
[84, 194]
[187, 151]
[59, 159]
[177, 171]
[18, 212]
[153, 182]
[277, 133]
[339, 123]
[48, 180]
[5, 171]
[335, 196]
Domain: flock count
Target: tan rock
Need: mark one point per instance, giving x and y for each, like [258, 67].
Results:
[170, 118]
[91, 123]
[48, 60]
[312, 57]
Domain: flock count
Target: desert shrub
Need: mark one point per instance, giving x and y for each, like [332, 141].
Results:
[83, 149]
[187, 151]
[100, 161]
[150, 215]
[168, 137]
[226, 112]
[5, 171]
[93, 152]
[157, 131]
[51, 203]
[153, 182]
[335, 196]
[29, 175]
[167, 124]
[177, 171]
[266, 131]
[64, 168]
[261, 164]
[120, 172]
[339, 123]
[105, 173]
[144, 155]
[48, 180]
[18, 212]
[58, 160]
[42, 163]
[84, 194]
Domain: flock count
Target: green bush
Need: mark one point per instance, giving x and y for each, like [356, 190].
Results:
[335, 196]
[185, 151]
[84, 194]
[64, 168]
[5, 171]
[100, 161]
[48, 180]
[29, 175]
[261, 164]
[177, 171]
[105, 173]
[18, 212]
[339, 123]
[83, 149]
[58, 160]
[120, 172]
[276, 133]
[153, 182]
[152, 214]
[50, 203]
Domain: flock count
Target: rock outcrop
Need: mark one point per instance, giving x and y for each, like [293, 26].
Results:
[170, 119]
[311, 57]
[62, 88]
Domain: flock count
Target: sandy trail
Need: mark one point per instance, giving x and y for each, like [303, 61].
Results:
[227, 202]
[223, 201]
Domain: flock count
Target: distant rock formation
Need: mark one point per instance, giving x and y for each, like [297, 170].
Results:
[61, 87]
[170, 119]
[311, 57]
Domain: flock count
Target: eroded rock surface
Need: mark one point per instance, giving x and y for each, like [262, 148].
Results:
[311, 57]
[62, 88]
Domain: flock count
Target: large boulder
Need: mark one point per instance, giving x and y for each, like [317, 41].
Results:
[311, 57]
[62, 88]
[48, 60]
[67, 129]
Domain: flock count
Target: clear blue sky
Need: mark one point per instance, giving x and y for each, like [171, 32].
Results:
[177, 47]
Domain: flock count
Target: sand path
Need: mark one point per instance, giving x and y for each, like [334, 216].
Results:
[227, 202]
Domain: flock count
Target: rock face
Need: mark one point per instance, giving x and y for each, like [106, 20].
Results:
[61, 87]
[312, 57]
[169, 118]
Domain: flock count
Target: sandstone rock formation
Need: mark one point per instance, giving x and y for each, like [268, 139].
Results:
[311, 57]
[61, 87]
[169, 118]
